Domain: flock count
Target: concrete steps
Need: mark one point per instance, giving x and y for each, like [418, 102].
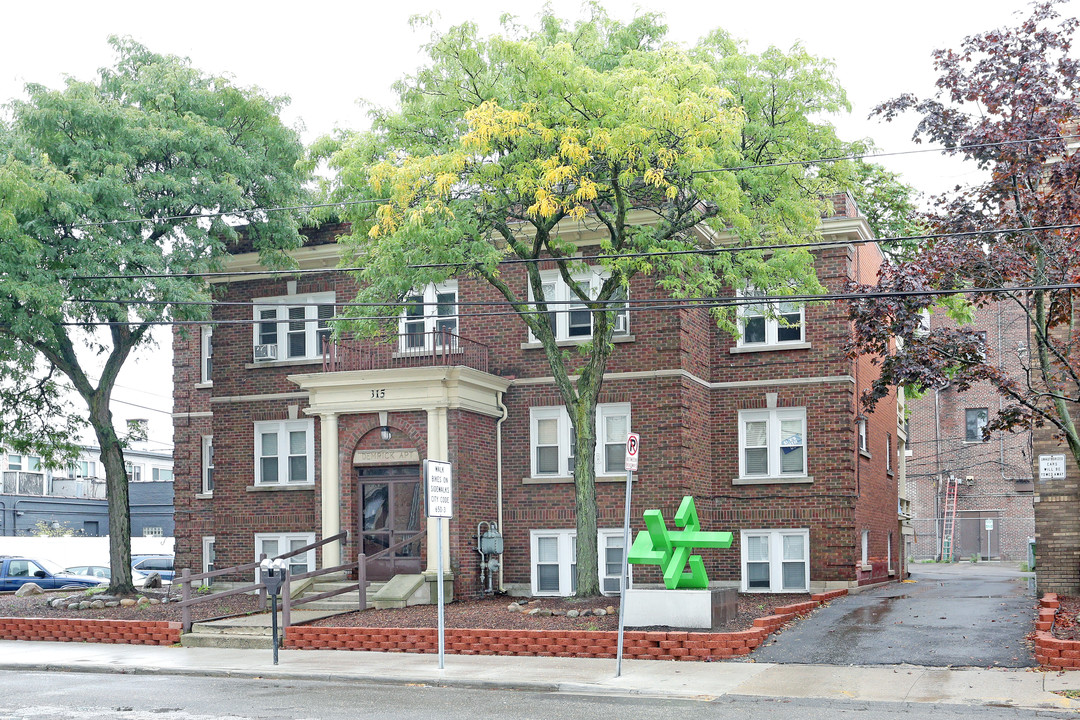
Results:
[346, 602]
[247, 632]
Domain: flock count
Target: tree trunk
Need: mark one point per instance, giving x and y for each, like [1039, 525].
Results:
[584, 419]
[116, 488]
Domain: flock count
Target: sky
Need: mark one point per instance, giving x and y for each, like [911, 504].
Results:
[327, 56]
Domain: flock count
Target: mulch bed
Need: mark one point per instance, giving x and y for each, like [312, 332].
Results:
[1066, 624]
[492, 613]
[486, 613]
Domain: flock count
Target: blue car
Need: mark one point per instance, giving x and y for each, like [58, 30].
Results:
[17, 571]
[161, 564]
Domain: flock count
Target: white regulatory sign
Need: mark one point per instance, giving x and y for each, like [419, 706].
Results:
[1051, 467]
[633, 447]
[440, 489]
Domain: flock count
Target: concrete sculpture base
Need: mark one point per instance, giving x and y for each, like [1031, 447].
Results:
[696, 609]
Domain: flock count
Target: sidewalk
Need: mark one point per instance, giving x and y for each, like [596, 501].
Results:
[894, 683]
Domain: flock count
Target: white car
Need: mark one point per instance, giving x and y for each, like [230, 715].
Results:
[105, 573]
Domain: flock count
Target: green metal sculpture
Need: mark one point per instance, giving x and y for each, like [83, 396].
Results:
[670, 549]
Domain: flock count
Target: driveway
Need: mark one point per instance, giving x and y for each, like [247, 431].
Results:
[962, 614]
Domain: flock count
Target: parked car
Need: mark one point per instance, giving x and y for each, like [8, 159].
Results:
[104, 572]
[16, 571]
[161, 564]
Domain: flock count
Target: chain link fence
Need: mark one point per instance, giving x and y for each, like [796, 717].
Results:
[982, 537]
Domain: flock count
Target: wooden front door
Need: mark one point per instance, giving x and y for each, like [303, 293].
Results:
[391, 509]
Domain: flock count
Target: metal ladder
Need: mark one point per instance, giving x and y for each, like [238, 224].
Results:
[949, 525]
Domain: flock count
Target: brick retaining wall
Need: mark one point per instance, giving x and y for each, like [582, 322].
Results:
[554, 643]
[131, 632]
[1051, 653]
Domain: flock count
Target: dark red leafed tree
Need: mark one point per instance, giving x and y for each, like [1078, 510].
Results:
[999, 92]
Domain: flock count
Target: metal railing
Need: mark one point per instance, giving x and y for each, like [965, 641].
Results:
[188, 599]
[421, 349]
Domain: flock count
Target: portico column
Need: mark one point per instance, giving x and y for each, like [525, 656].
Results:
[438, 448]
[331, 489]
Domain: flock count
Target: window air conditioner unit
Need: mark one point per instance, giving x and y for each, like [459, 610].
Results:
[969, 480]
[265, 352]
[622, 323]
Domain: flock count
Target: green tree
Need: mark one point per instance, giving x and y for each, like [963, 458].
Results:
[108, 193]
[501, 143]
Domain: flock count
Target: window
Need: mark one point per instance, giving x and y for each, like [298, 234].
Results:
[134, 471]
[274, 544]
[430, 319]
[285, 453]
[292, 327]
[888, 453]
[864, 445]
[25, 463]
[162, 474]
[156, 531]
[775, 560]
[865, 546]
[763, 324]
[571, 320]
[209, 557]
[554, 561]
[208, 464]
[772, 443]
[206, 354]
[553, 440]
[86, 468]
[974, 421]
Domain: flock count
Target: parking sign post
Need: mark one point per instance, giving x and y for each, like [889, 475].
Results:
[633, 446]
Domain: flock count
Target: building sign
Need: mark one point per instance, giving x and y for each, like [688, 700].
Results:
[381, 457]
[1051, 467]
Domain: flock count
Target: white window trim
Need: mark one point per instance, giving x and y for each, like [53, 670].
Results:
[604, 411]
[207, 465]
[156, 469]
[889, 454]
[136, 472]
[772, 326]
[208, 543]
[566, 545]
[430, 319]
[280, 305]
[283, 540]
[865, 549]
[206, 354]
[776, 560]
[283, 428]
[864, 440]
[562, 295]
[773, 417]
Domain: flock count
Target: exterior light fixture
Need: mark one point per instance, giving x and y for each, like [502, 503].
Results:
[386, 432]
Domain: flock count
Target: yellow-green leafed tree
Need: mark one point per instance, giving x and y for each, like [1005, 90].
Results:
[499, 145]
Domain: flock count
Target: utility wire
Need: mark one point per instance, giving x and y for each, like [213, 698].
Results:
[682, 304]
[790, 163]
[616, 256]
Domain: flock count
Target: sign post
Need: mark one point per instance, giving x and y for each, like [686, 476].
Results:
[440, 495]
[989, 527]
[633, 447]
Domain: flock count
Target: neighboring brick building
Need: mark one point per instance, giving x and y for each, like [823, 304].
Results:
[273, 453]
[994, 481]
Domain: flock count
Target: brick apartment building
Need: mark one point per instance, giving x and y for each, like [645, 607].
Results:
[994, 513]
[277, 445]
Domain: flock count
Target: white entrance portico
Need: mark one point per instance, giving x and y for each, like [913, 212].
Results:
[434, 390]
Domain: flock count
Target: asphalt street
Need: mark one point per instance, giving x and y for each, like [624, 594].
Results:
[77, 696]
[953, 615]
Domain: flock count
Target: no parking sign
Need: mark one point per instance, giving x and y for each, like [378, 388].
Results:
[633, 446]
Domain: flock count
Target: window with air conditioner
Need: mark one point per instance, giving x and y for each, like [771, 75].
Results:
[776, 561]
[569, 318]
[293, 327]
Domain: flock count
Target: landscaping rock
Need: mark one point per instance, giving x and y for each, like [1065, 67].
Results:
[29, 589]
[514, 607]
[97, 604]
[127, 602]
[572, 613]
[599, 612]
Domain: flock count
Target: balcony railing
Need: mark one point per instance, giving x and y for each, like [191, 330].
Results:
[426, 349]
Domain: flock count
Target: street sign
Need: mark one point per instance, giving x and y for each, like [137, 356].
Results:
[989, 523]
[633, 446]
[1051, 467]
[440, 495]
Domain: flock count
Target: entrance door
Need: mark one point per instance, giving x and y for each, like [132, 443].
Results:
[974, 538]
[391, 509]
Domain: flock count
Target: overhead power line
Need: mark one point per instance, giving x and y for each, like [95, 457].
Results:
[613, 256]
[737, 168]
[613, 305]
